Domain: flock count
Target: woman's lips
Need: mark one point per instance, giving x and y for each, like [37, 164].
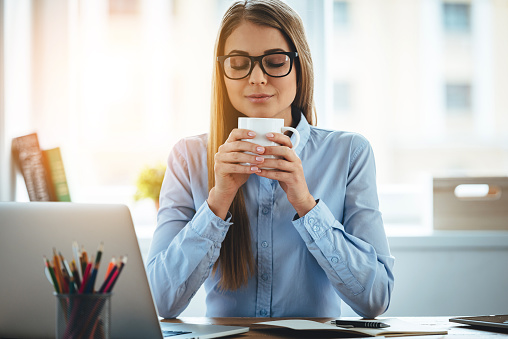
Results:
[258, 98]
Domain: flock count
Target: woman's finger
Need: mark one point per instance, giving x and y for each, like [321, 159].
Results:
[280, 139]
[275, 175]
[279, 164]
[239, 134]
[239, 157]
[236, 168]
[282, 151]
[241, 146]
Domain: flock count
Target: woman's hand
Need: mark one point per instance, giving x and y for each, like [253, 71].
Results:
[288, 170]
[230, 174]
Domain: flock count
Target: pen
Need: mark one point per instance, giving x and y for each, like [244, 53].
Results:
[359, 323]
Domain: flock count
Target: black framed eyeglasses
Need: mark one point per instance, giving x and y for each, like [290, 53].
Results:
[276, 65]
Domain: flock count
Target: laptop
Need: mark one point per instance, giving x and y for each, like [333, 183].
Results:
[484, 321]
[28, 231]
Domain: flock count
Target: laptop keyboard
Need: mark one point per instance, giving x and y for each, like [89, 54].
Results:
[167, 334]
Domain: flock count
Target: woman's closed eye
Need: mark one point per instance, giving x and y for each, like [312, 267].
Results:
[239, 63]
[275, 65]
[276, 61]
[240, 67]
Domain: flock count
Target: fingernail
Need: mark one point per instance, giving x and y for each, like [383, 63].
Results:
[251, 134]
[254, 169]
[260, 149]
[270, 135]
[259, 158]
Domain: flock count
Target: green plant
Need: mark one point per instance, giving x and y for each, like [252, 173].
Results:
[149, 183]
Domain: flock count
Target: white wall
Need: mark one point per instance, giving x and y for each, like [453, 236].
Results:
[450, 273]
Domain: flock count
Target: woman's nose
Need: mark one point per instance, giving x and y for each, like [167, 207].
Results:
[257, 76]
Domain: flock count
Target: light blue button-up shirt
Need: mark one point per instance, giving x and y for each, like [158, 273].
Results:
[305, 266]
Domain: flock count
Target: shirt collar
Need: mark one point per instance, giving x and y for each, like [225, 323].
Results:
[303, 128]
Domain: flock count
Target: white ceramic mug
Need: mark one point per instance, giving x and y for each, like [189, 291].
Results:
[262, 126]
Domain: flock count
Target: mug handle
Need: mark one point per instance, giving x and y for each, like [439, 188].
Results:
[295, 132]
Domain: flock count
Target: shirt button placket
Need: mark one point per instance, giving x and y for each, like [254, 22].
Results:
[264, 236]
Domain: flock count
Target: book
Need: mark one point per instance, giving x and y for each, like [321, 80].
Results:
[398, 328]
[55, 166]
[28, 157]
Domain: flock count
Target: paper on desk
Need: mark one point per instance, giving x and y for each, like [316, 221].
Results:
[300, 324]
[397, 327]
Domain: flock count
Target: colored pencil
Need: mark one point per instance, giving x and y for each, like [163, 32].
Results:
[108, 279]
[111, 284]
[75, 274]
[112, 264]
[52, 274]
[66, 272]
[85, 277]
[58, 271]
[77, 255]
[84, 260]
[91, 281]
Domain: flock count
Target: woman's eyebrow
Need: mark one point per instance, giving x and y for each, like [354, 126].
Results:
[239, 52]
[274, 50]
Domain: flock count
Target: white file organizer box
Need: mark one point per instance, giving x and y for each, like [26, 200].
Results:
[470, 203]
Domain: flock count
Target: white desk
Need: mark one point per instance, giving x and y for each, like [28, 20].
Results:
[455, 331]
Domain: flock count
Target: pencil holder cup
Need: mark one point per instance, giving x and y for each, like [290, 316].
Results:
[83, 315]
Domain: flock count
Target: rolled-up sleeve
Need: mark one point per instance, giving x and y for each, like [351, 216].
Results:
[354, 254]
[186, 242]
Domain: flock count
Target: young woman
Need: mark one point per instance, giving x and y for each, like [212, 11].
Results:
[287, 242]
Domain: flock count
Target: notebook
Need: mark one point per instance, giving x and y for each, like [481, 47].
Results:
[30, 230]
[490, 321]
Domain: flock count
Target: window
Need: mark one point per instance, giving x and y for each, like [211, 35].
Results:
[458, 97]
[340, 14]
[457, 17]
[109, 91]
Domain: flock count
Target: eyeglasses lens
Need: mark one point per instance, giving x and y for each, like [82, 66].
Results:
[276, 65]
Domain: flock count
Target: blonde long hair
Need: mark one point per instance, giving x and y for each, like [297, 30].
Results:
[236, 260]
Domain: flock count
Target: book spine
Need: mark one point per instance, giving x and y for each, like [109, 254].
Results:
[56, 170]
[28, 156]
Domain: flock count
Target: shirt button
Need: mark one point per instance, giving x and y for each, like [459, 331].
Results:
[264, 244]
[311, 221]
[266, 210]
[263, 312]
[264, 277]
[316, 228]
[335, 260]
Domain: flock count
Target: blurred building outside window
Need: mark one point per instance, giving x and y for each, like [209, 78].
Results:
[116, 83]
